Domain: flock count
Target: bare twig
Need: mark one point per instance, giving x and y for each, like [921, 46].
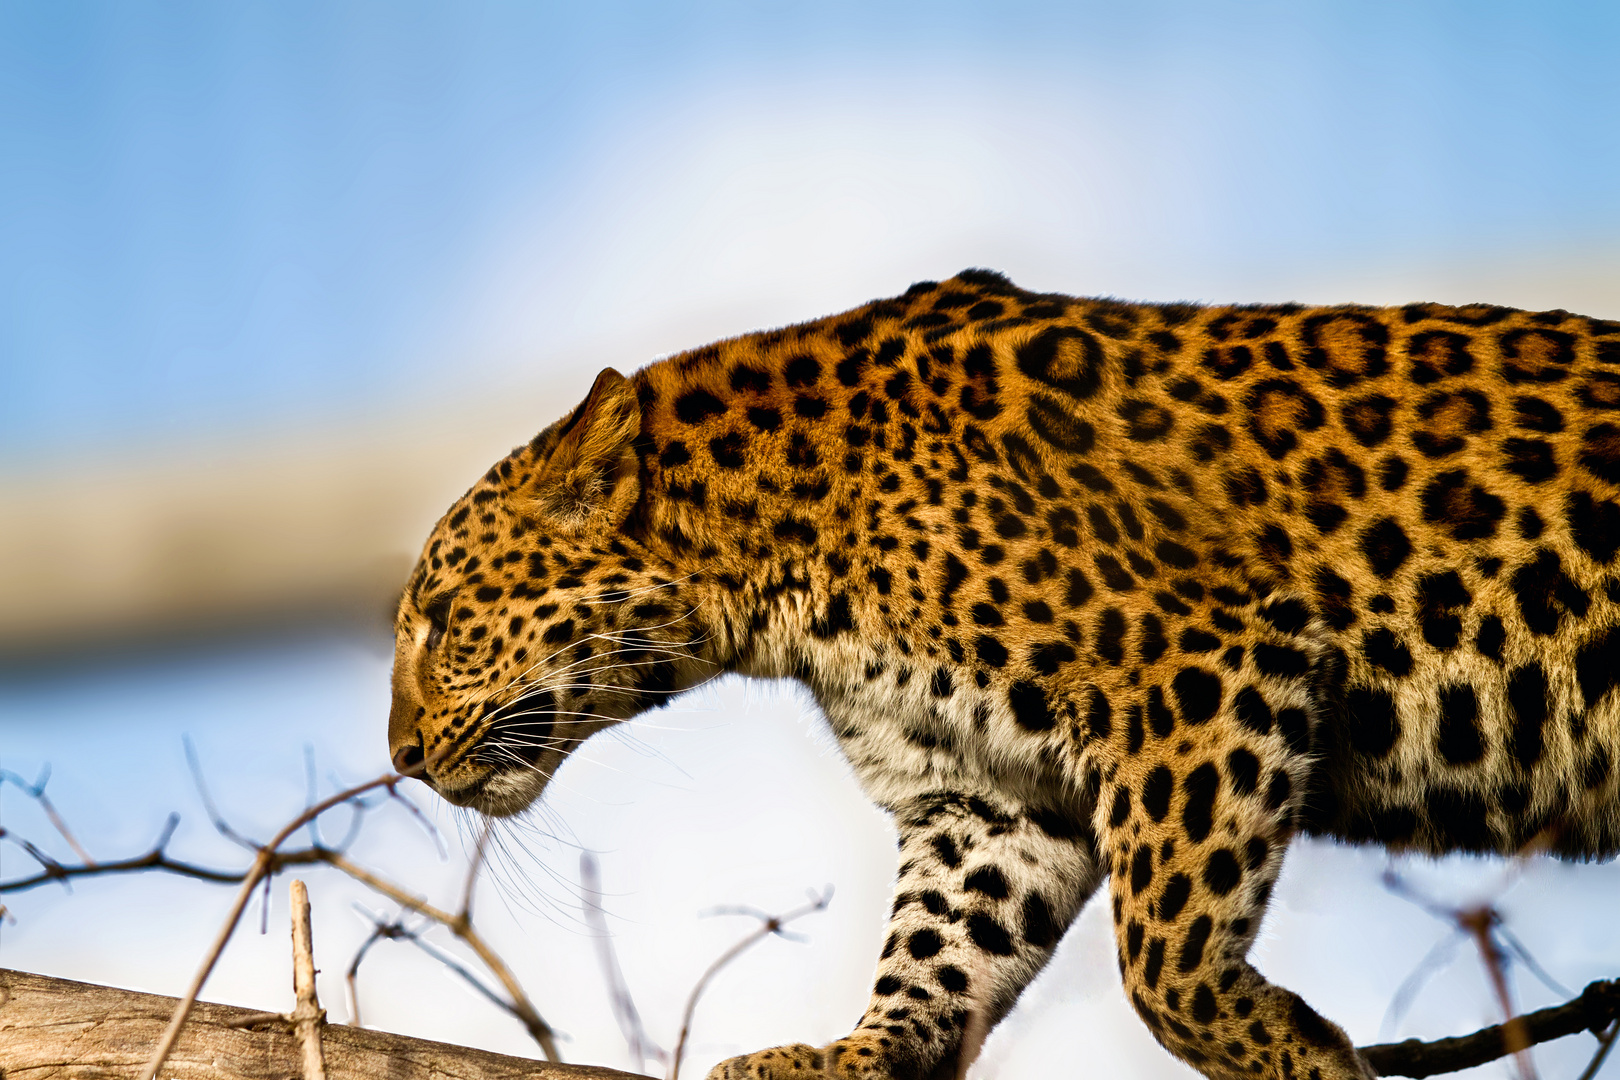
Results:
[264, 906]
[624, 1006]
[1479, 922]
[36, 791]
[1596, 1009]
[1531, 964]
[155, 858]
[1483, 924]
[1605, 1044]
[480, 849]
[451, 961]
[422, 820]
[379, 930]
[264, 863]
[461, 925]
[260, 1020]
[770, 924]
[1438, 956]
[312, 789]
[221, 826]
[307, 1016]
[269, 860]
[398, 931]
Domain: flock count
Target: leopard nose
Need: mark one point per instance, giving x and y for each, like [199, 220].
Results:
[408, 759]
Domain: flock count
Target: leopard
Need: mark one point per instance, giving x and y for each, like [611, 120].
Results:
[1087, 590]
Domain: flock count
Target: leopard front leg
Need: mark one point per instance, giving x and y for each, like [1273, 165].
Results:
[985, 890]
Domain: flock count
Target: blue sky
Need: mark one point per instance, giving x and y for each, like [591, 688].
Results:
[217, 214]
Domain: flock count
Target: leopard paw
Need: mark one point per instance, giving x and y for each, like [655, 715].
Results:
[796, 1062]
[852, 1058]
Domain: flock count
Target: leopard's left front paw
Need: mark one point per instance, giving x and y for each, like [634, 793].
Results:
[846, 1059]
[796, 1062]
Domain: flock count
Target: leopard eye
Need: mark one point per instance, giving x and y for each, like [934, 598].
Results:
[438, 616]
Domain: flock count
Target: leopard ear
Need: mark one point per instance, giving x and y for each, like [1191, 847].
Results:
[589, 475]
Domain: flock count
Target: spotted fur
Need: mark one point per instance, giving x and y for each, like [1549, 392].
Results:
[1087, 590]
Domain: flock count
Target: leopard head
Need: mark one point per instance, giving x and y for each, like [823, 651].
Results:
[536, 616]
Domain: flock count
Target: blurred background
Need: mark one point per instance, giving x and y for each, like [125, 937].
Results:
[278, 281]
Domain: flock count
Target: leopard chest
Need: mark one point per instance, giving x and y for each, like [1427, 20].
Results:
[909, 726]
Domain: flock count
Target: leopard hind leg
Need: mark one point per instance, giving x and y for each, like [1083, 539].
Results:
[1195, 828]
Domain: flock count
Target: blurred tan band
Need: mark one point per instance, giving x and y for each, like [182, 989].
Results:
[287, 527]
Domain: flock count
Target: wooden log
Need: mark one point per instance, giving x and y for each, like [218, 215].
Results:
[56, 1028]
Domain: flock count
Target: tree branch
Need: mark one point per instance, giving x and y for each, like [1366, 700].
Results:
[156, 858]
[1595, 1009]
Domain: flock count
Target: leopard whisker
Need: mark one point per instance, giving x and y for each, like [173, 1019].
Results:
[534, 686]
[631, 594]
[633, 647]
